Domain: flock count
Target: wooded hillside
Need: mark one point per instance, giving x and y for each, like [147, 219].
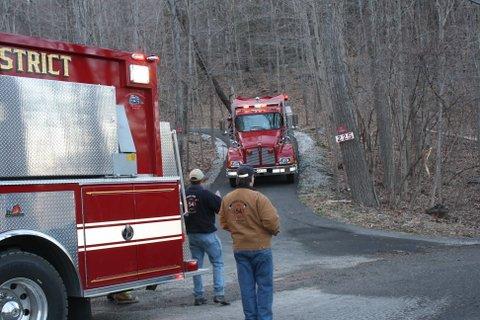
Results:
[404, 75]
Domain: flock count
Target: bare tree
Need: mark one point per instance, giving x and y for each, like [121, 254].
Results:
[353, 155]
[78, 17]
[444, 8]
[382, 109]
[402, 74]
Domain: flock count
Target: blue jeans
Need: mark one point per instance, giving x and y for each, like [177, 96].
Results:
[209, 243]
[255, 276]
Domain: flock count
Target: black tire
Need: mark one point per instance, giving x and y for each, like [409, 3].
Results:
[291, 178]
[19, 264]
[79, 309]
[233, 182]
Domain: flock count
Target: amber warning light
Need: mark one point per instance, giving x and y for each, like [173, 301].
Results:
[153, 58]
[138, 56]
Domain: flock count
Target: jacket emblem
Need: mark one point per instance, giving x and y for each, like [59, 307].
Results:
[192, 203]
[237, 208]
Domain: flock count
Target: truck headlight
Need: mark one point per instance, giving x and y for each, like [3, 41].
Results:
[139, 74]
[285, 160]
[235, 164]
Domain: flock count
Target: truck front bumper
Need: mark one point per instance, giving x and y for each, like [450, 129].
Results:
[267, 171]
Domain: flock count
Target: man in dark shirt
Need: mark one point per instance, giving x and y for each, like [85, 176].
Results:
[200, 222]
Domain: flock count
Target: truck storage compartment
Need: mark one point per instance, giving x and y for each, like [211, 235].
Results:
[130, 232]
[54, 128]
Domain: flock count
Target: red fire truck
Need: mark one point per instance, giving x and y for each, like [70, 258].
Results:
[260, 130]
[90, 192]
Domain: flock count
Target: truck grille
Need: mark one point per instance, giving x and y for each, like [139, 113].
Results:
[260, 156]
[253, 157]
[268, 156]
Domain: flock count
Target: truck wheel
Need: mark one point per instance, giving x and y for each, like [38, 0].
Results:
[79, 309]
[291, 178]
[233, 182]
[30, 288]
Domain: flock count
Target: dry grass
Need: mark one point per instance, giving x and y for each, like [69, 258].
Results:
[461, 198]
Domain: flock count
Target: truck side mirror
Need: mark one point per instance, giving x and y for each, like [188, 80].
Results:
[295, 121]
[221, 125]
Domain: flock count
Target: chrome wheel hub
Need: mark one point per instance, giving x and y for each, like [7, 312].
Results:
[22, 299]
[11, 310]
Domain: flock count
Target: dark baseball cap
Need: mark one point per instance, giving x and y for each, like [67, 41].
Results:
[245, 171]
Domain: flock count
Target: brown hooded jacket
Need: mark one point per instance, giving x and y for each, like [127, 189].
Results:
[250, 218]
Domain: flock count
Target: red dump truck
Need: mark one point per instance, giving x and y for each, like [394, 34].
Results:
[90, 186]
[261, 136]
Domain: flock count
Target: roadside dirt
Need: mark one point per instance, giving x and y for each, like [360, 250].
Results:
[316, 189]
[201, 153]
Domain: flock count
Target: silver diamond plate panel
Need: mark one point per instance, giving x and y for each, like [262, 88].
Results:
[187, 255]
[169, 164]
[55, 128]
[50, 213]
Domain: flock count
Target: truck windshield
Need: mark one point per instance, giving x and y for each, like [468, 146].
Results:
[259, 121]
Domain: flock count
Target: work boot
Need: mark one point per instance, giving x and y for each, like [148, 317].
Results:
[124, 297]
[221, 300]
[200, 301]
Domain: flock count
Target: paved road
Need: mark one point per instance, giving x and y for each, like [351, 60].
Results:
[325, 270]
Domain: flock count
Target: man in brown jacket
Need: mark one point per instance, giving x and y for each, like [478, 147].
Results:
[252, 220]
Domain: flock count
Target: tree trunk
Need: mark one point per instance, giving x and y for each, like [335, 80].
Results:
[78, 16]
[200, 57]
[274, 31]
[353, 155]
[478, 128]
[475, 20]
[402, 118]
[384, 122]
[180, 120]
[444, 8]
[211, 101]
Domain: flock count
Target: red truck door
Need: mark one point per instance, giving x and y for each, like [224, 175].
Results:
[131, 232]
[108, 212]
[157, 209]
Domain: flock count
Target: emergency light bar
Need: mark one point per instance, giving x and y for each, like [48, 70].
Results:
[138, 56]
[139, 74]
[256, 106]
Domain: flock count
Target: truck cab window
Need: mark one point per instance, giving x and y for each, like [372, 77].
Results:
[259, 121]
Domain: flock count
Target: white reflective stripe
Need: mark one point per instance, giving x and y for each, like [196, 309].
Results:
[157, 229]
[128, 244]
[104, 235]
[141, 231]
[81, 239]
[131, 221]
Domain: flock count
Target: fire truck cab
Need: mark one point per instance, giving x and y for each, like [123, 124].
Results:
[90, 183]
[260, 131]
